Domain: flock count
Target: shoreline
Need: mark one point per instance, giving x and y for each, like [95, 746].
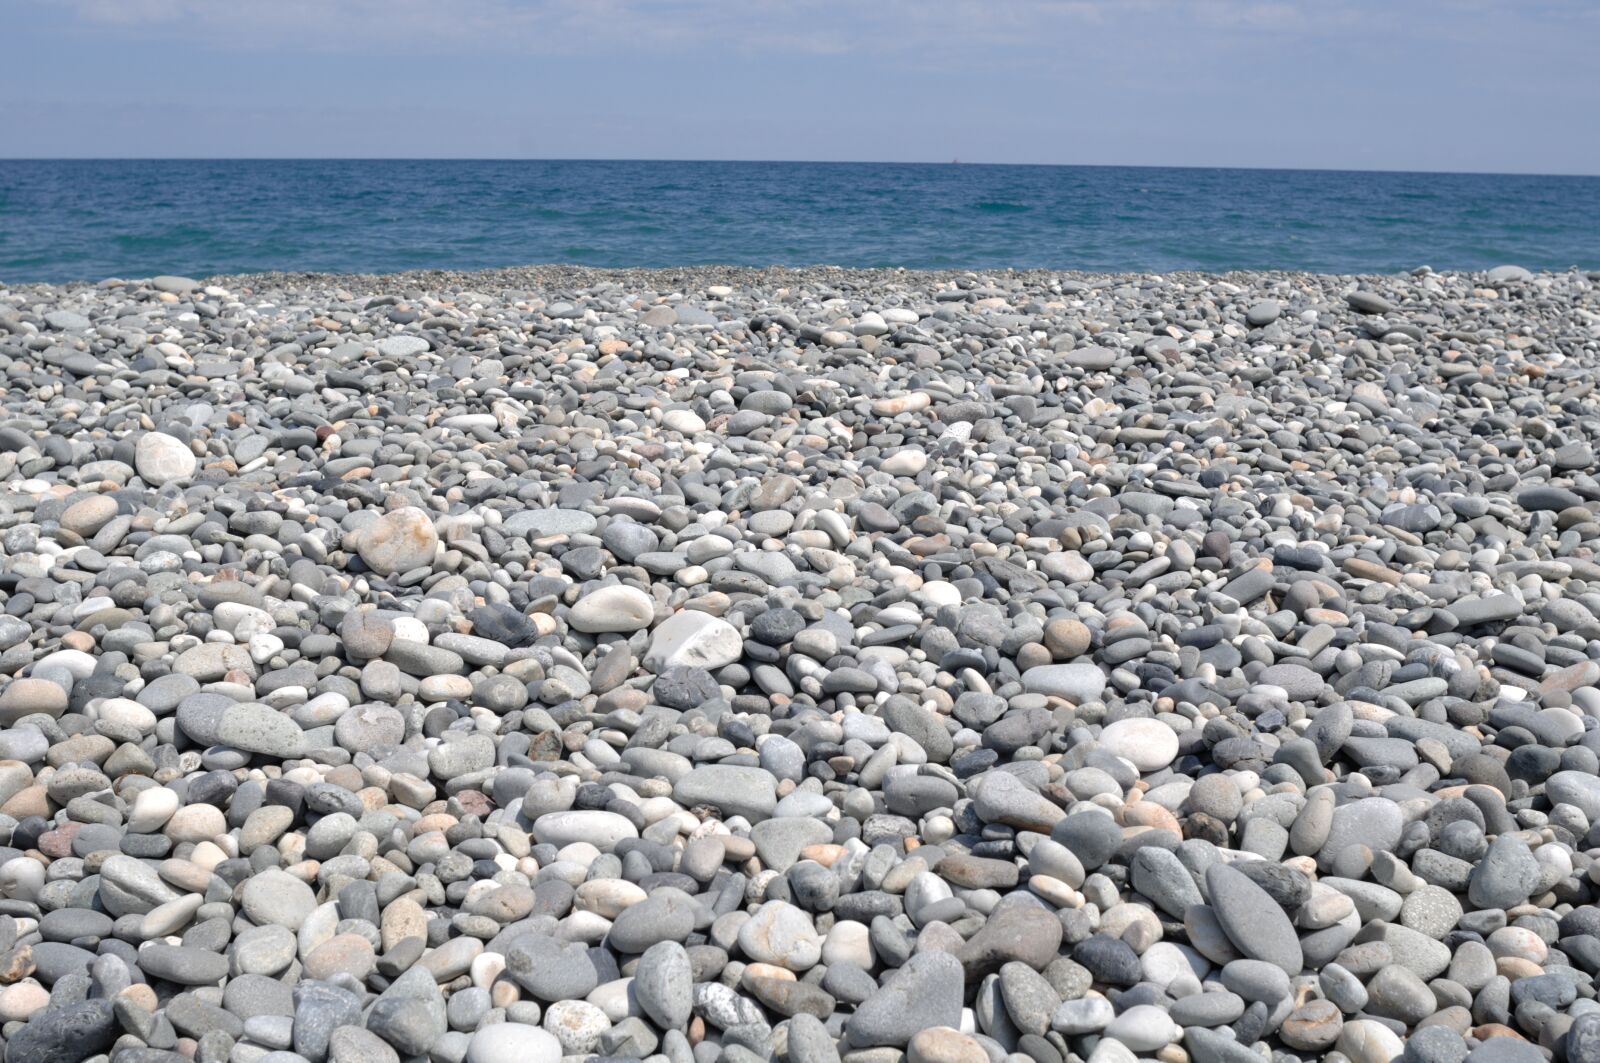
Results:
[572, 275]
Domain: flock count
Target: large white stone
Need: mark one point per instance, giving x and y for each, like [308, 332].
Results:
[600, 829]
[399, 541]
[151, 809]
[1576, 788]
[577, 1024]
[848, 942]
[1365, 1041]
[693, 639]
[616, 608]
[908, 461]
[685, 421]
[1508, 275]
[512, 1042]
[160, 459]
[174, 285]
[402, 346]
[781, 934]
[1078, 682]
[1147, 744]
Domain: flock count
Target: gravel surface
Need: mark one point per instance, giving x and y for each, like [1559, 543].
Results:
[805, 665]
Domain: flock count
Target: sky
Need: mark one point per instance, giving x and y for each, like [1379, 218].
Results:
[1458, 85]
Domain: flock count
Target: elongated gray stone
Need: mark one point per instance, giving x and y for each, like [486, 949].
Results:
[1252, 920]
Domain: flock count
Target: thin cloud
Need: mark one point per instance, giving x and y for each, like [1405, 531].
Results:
[922, 34]
[808, 26]
[834, 24]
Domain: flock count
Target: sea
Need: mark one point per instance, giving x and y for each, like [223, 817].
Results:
[66, 220]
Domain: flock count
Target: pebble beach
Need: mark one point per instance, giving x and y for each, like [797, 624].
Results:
[727, 665]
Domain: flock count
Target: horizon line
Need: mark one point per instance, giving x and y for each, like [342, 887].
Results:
[773, 162]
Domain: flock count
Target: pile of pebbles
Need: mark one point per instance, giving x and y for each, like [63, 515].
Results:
[719, 665]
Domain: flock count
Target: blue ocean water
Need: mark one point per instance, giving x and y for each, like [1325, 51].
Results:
[87, 220]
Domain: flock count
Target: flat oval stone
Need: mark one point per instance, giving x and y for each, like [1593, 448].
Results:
[185, 966]
[600, 829]
[1078, 682]
[1252, 920]
[1147, 744]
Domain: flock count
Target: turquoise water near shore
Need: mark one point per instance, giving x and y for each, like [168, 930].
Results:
[66, 220]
